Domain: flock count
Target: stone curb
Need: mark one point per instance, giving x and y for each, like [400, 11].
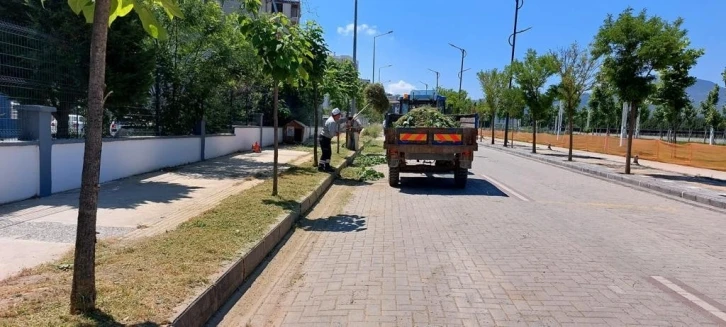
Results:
[215, 295]
[656, 187]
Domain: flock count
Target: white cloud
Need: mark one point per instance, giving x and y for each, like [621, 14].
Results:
[399, 87]
[362, 28]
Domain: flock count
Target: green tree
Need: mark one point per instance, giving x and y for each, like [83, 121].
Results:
[514, 104]
[689, 118]
[493, 84]
[604, 107]
[318, 64]
[63, 62]
[341, 83]
[709, 110]
[671, 89]
[285, 55]
[577, 70]
[633, 48]
[531, 76]
[101, 14]
[456, 103]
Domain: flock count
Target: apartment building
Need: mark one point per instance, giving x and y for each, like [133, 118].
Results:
[290, 8]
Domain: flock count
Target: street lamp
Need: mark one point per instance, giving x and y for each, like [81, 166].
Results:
[379, 71]
[461, 71]
[351, 112]
[427, 85]
[512, 42]
[437, 79]
[374, 54]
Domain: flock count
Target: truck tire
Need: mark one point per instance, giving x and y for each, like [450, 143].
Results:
[393, 176]
[460, 177]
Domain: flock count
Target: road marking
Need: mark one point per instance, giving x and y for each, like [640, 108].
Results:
[505, 189]
[691, 297]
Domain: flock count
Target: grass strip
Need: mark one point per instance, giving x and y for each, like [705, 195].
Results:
[143, 282]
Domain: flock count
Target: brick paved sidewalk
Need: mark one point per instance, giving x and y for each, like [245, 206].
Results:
[668, 179]
[40, 230]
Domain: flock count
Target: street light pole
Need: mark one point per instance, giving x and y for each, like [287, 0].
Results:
[351, 112]
[512, 42]
[437, 79]
[461, 71]
[373, 79]
[379, 71]
[424, 83]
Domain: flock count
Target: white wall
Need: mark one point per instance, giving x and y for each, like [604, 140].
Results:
[121, 158]
[268, 136]
[20, 172]
[242, 140]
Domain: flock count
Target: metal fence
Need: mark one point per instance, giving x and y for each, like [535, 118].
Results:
[34, 71]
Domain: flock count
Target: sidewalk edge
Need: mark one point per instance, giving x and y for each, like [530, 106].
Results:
[699, 198]
[199, 311]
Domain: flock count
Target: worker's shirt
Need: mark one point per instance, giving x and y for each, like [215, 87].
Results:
[330, 128]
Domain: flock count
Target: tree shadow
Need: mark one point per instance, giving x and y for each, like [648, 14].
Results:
[338, 223]
[691, 179]
[284, 204]
[430, 185]
[235, 167]
[103, 319]
[122, 194]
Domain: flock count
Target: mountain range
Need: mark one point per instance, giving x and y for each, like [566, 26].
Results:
[697, 92]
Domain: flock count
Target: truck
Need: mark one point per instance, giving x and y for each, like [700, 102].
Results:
[429, 150]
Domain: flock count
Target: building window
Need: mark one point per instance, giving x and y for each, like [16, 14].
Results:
[295, 10]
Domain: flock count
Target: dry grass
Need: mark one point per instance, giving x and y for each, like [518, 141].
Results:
[143, 282]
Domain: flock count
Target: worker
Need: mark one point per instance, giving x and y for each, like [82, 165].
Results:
[330, 129]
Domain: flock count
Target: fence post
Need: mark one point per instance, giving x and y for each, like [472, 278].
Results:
[35, 125]
[261, 128]
[202, 137]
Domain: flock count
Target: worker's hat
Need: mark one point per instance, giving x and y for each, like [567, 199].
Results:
[336, 111]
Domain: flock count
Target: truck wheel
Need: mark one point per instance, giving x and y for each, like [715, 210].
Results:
[393, 176]
[460, 177]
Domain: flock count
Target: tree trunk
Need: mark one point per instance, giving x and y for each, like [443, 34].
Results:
[83, 289]
[631, 130]
[494, 117]
[534, 135]
[569, 123]
[316, 119]
[690, 132]
[274, 139]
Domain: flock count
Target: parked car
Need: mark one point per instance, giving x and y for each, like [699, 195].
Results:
[126, 127]
[76, 125]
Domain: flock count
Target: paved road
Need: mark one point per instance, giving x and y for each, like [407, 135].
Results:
[526, 244]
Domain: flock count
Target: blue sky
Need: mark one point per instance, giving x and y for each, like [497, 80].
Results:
[422, 30]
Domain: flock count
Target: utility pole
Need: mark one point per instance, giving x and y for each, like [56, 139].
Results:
[373, 79]
[461, 71]
[437, 79]
[512, 42]
[351, 112]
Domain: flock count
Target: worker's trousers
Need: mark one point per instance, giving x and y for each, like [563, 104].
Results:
[327, 151]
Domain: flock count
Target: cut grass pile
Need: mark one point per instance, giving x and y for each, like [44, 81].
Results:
[361, 169]
[145, 281]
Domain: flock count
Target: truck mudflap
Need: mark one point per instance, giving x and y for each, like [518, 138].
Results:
[465, 164]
